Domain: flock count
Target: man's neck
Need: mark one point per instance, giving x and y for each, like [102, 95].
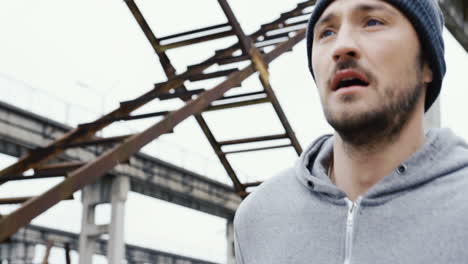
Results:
[355, 170]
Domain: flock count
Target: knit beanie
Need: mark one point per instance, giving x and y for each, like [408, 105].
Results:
[427, 19]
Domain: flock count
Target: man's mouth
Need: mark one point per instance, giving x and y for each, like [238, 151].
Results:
[348, 78]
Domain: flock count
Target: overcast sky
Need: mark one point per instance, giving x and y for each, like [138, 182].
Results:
[74, 60]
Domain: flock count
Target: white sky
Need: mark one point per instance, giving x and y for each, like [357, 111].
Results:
[73, 60]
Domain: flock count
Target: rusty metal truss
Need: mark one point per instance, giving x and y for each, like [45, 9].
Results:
[456, 19]
[260, 49]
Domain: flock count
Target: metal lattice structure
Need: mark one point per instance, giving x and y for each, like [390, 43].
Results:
[456, 19]
[260, 49]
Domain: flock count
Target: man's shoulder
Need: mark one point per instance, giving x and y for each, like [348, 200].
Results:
[270, 196]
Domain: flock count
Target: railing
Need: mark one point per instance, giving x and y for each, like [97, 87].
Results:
[43, 103]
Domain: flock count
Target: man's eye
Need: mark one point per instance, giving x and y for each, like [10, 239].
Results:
[326, 33]
[373, 22]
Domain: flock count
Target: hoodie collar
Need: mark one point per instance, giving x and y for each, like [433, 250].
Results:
[431, 161]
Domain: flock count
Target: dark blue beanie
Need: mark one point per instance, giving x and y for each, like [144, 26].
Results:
[427, 19]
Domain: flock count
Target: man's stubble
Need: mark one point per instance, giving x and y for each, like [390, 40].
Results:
[371, 128]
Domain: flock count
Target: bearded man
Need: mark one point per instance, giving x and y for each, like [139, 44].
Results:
[381, 189]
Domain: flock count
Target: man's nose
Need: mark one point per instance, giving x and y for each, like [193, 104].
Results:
[345, 47]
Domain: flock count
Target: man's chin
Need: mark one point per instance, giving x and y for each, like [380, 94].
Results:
[350, 119]
[346, 111]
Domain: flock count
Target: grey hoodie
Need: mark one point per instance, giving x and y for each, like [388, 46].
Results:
[417, 214]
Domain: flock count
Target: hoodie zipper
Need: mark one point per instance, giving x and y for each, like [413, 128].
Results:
[352, 211]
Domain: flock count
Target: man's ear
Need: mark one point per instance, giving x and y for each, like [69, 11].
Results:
[427, 73]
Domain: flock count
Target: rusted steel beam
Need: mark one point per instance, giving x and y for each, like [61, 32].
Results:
[295, 12]
[229, 60]
[252, 184]
[228, 50]
[282, 20]
[159, 88]
[253, 139]
[217, 148]
[264, 79]
[46, 171]
[285, 46]
[275, 36]
[83, 132]
[240, 96]
[281, 31]
[93, 170]
[69, 165]
[244, 41]
[274, 42]
[456, 19]
[15, 200]
[32, 177]
[257, 149]
[165, 62]
[194, 31]
[178, 82]
[142, 116]
[211, 75]
[201, 121]
[243, 194]
[262, 66]
[58, 168]
[237, 104]
[90, 172]
[45, 259]
[306, 4]
[126, 118]
[199, 69]
[196, 40]
[97, 141]
[222, 61]
[178, 94]
[298, 23]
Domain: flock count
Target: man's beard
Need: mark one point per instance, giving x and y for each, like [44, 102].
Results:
[369, 129]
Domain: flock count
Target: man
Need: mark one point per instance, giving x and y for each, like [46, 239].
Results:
[380, 190]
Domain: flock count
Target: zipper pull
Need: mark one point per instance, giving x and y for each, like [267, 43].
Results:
[351, 204]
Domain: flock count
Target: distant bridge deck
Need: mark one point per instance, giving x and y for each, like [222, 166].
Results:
[21, 131]
[37, 235]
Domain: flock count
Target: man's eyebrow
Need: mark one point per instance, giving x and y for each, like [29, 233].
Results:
[359, 8]
[325, 19]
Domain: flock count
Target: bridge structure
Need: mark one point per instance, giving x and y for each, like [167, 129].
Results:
[106, 169]
[22, 246]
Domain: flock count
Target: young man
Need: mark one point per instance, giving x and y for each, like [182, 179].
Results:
[380, 190]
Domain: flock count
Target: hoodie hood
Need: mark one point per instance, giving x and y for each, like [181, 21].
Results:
[442, 153]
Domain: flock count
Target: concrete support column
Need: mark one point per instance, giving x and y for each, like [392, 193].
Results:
[17, 253]
[231, 258]
[86, 245]
[116, 246]
[111, 190]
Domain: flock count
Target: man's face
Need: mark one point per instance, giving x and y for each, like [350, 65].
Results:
[367, 63]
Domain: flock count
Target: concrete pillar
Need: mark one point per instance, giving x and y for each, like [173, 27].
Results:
[111, 190]
[432, 117]
[17, 253]
[116, 245]
[231, 258]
